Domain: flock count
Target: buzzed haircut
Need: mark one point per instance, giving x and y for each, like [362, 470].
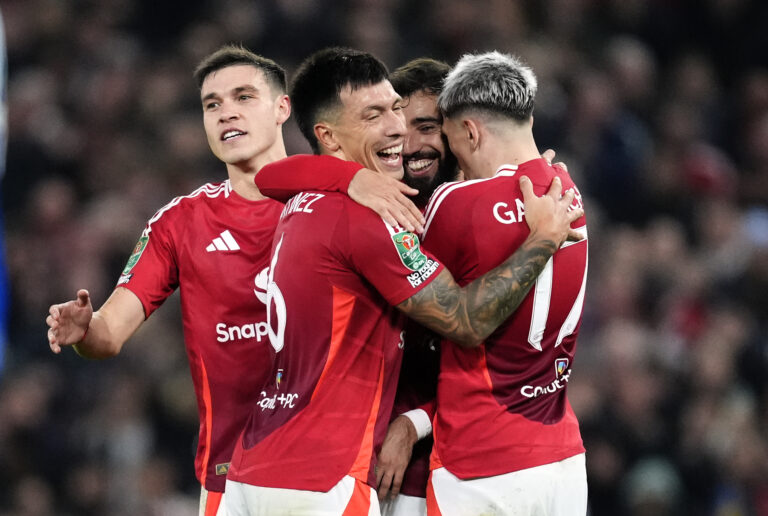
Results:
[421, 74]
[494, 83]
[234, 55]
[320, 79]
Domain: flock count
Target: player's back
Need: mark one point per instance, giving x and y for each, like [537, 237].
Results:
[502, 407]
[335, 273]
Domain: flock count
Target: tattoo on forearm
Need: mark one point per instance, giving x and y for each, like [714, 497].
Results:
[470, 314]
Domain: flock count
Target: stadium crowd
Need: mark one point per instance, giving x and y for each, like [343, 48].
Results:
[659, 109]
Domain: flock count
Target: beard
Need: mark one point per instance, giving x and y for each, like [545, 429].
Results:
[447, 170]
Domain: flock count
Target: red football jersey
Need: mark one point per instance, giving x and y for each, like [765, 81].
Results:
[502, 407]
[336, 271]
[213, 244]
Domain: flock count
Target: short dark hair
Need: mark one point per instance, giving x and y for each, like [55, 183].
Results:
[320, 79]
[421, 74]
[233, 55]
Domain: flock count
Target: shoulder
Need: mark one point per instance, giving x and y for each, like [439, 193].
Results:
[450, 197]
[180, 205]
[177, 212]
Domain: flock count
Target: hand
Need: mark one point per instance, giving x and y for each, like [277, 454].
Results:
[549, 155]
[394, 456]
[385, 196]
[68, 322]
[551, 215]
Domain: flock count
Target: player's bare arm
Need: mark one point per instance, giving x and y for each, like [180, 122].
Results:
[98, 334]
[468, 315]
[387, 197]
[394, 456]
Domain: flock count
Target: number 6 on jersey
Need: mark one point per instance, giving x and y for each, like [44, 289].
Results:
[274, 295]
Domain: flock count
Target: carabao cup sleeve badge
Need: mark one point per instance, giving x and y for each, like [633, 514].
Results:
[135, 255]
[409, 250]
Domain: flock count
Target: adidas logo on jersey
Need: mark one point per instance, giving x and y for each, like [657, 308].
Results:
[224, 242]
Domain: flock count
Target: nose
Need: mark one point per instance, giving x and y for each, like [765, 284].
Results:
[228, 112]
[395, 123]
[412, 142]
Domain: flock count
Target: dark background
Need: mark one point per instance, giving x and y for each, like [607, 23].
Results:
[659, 108]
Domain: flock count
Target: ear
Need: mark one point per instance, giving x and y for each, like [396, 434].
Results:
[283, 108]
[325, 137]
[473, 134]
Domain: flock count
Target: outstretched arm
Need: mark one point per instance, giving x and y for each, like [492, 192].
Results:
[468, 315]
[386, 196]
[98, 334]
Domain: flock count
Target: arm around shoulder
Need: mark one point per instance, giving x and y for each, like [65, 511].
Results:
[468, 315]
[287, 177]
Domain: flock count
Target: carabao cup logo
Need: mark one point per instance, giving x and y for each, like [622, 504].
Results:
[407, 245]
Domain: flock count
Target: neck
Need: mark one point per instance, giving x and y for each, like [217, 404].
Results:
[241, 175]
[512, 147]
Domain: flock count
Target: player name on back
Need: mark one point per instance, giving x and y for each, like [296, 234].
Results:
[301, 203]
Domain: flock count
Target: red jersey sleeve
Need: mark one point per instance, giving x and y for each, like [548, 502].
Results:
[287, 177]
[389, 257]
[151, 272]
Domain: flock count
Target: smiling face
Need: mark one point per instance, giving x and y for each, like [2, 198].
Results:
[370, 127]
[424, 147]
[426, 159]
[242, 114]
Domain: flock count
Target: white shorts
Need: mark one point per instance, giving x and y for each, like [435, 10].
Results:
[211, 503]
[557, 489]
[350, 497]
[404, 505]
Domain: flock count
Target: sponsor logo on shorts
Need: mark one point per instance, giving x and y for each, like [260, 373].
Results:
[221, 469]
[409, 250]
[418, 277]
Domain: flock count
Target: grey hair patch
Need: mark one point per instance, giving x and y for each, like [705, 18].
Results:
[492, 82]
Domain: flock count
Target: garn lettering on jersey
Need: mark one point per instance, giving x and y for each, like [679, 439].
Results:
[509, 216]
[246, 331]
[301, 203]
[505, 215]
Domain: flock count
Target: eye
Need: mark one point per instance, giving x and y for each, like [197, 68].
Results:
[210, 106]
[373, 117]
[429, 128]
[245, 97]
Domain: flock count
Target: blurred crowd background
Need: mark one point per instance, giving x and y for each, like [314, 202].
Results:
[658, 107]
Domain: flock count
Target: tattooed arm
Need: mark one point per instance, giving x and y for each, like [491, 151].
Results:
[468, 315]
